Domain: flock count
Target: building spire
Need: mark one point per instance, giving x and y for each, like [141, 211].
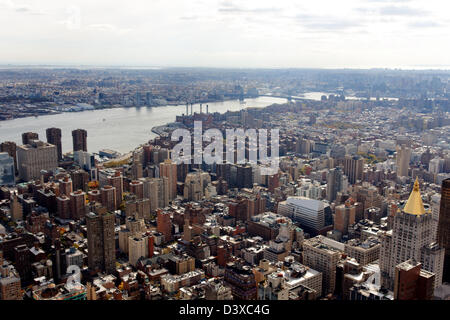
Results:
[415, 204]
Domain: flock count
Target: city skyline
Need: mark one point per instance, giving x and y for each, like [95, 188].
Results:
[200, 155]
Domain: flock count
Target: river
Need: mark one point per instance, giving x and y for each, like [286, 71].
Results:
[119, 129]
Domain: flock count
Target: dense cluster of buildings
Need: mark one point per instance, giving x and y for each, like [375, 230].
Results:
[357, 210]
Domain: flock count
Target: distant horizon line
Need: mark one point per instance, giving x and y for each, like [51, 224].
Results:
[142, 67]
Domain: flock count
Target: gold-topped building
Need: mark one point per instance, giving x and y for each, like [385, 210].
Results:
[412, 237]
[415, 204]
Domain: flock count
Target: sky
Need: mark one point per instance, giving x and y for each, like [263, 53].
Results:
[408, 34]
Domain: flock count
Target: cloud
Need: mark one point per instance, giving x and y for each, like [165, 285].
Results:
[401, 11]
[102, 27]
[73, 19]
[21, 8]
[190, 18]
[425, 24]
[326, 23]
[108, 28]
[229, 7]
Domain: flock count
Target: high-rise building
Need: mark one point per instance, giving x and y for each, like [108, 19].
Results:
[7, 172]
[15, 208]
[413, 283]
[365, 252]
[34, 157]
[273, 182]
[323, 254]
[242, 281]
[54, 137]
[138, 208]
[193, 190]
[94, 196]
[353, 168]
[137, 169]
[108, 195]
[101, 240]
[309, 213]
[435, 208]
[169, 170]
[10, 286]
[157, 191]
[336, 182]
[443, 235]
[80, 179]
[79, 137]
[116, 181]
[27, 137]
[411, 238]
[137, 188]
[137, 248]
[195, 185]
[436, 165]
[86, 161]
[10, 147]
[78, 204]
[402, 160]
[133, 228]
[164, 224]
[345, 216]
[63, 206]
[244, 178]
[65, 185]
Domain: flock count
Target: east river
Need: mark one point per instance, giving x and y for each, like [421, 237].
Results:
[119, 129]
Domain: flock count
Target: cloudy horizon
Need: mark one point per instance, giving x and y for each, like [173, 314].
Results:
[227, 34]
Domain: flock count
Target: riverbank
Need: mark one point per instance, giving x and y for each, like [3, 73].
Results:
[119, 129]
[47, 111]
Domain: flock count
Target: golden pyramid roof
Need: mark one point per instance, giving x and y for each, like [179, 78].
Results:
[415, 204]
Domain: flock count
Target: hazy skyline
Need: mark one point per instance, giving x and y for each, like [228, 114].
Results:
[211, 33]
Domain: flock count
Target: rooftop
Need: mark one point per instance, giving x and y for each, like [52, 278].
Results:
[415, 205]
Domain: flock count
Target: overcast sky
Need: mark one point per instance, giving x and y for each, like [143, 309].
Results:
[218, 33]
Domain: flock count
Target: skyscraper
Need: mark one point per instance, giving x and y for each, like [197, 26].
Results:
[63, 206]
[402, 160]
[157, 191]
[169, 170]
[65, 185]
[101, 240]
[444, 227]
[77, 204]
[54, 137]
[410, 238]
[335, 183]
[244, 178]
[116, 181]
[10, 147]
[345, 216]
[353, 168]
[137, 188]
[323, 254]
[413, 283]
[15, 208]
[137, 248]
[7, 173]
[79, 137]
[34, 157]
[108, 195]
[27, 137]
[164, 224]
